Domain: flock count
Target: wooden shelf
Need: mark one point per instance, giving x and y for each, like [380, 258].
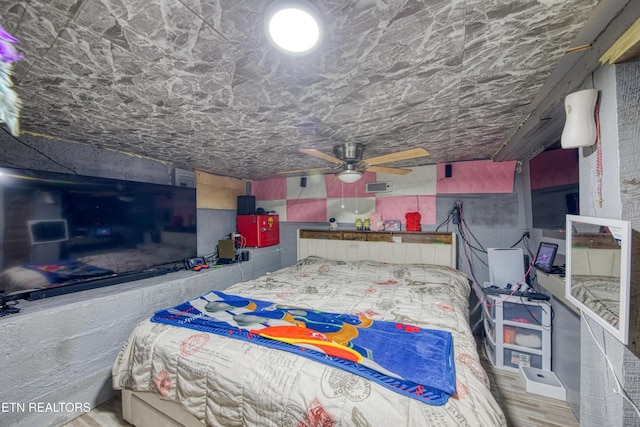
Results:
[627, 47]
[556, 286]
[594, 241]
[379, 236]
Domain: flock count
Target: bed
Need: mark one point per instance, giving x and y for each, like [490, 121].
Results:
[171, 375]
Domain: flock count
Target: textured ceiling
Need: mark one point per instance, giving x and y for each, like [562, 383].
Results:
[195, 83]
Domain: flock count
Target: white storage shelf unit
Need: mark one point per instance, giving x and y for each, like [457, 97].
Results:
[518, 332]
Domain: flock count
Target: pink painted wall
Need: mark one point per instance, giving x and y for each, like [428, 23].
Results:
[310, 210]
[269, 189]
[335, 187]
[484, 176]
[397, 207]
[479, 176]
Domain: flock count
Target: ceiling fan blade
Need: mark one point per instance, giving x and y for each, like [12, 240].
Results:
[397, 156]
[310, 170]
[383, 169]
[321, 155]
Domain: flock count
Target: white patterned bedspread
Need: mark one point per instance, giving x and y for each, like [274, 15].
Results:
[600, 293]
[229, 382]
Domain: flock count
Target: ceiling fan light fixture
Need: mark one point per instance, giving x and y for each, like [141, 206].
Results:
[294, 27]
[349, 176]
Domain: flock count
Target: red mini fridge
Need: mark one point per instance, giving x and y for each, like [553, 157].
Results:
[259, 230]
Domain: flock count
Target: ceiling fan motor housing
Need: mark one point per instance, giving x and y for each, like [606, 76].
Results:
[348, 151]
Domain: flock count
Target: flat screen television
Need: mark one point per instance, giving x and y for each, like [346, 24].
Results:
[63, 233]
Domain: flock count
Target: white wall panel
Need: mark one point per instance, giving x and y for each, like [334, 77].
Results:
[277, 206]
[364, 206]
[316, 188]
[422, 181]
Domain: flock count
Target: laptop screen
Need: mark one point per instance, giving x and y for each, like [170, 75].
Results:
[546, 256]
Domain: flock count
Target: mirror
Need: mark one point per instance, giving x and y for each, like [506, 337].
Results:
[554, 187]
[598, 271]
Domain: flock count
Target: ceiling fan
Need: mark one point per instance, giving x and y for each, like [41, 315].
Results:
[350, 165]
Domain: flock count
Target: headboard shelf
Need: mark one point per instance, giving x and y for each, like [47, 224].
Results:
[379, 236]
[594, 241]
[402, 247]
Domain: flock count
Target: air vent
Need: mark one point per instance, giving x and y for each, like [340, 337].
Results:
[378, 187]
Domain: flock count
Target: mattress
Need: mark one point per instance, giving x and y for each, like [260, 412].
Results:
[229, 382]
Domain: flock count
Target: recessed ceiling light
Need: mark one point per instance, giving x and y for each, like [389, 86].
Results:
[294, 27]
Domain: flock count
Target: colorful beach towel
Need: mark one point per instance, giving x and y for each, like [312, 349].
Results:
[405, 358]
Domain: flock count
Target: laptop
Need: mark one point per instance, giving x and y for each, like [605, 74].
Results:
[545, 257]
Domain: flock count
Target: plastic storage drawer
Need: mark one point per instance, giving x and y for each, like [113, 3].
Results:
[523, 337]
[516, 358]
[522, 313]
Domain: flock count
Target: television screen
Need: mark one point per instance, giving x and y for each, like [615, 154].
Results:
[63, 233]
[546, 256]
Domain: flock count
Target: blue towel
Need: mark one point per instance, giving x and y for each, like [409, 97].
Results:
[405, 358]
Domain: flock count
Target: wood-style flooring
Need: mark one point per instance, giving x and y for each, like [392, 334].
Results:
[524, 409]
[521, 409]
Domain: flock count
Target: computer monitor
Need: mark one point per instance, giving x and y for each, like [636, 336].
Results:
[546, 256]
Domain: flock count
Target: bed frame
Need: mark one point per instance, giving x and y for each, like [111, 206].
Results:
[145, 409]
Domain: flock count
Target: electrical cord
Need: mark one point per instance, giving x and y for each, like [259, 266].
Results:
[470, 250]
[38, 151]
[462, 231]
[619, 389]
[446, 221]
[542, 308]
[297, 198]
[463, 221]
[463, 235]
[515, 288]
[521, 239]
[8, 307]
[525, 243]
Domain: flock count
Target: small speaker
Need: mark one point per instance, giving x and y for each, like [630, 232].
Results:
[303, 181]
[447, 171]
[246, 205]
